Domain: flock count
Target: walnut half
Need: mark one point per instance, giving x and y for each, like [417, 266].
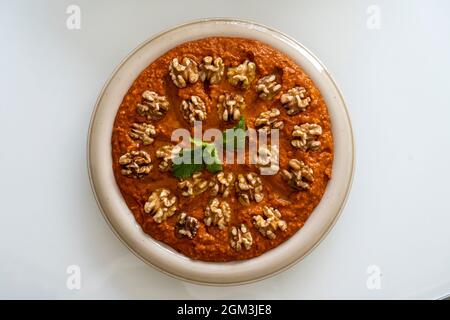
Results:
[295, 100]
[166, 153]
[242, 75]
[193, 186]
[268, 87]
[230, 107]
[268, 120]
[153, 106]
[221, 184]
[193, 110]
[186, 226]
[136, 164]
[299, 175]
[161, 204]
[184, 72]
[212, 70]
[240, 237]
[144, 132]
[249, 188]
[305, 136]
[217, 213]
[271, 223]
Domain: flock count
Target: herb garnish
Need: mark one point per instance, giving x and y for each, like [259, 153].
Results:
[184, 164]
[237, 133]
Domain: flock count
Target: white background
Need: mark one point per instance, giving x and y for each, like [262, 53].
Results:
[395, 81]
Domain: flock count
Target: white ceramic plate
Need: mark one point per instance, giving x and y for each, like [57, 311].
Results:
[166, 259]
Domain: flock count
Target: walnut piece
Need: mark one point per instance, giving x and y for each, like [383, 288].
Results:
[217, 213]
[212, 70]
[193, 186]
[144, 132]
[272, 222]
[153, 106]
[267, 159]
[184, 72]
[299, 176]
[240, 237]
[186, 226]
[166, 153]
[268, 120]
[193, 110]
[221, 184]
[268, 87]
[295, 100]
[161, 204]
[136, 164]
[230, 107]
[249, 188]
[242, 75]
[305, 136]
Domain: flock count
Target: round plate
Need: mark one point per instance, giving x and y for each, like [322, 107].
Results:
[163, 257]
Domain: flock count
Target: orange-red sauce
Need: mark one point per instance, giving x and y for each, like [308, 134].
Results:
[212, 244]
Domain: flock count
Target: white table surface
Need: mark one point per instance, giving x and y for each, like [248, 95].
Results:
[394, 79]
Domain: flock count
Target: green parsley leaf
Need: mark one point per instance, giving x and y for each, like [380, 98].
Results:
[241, 124]
[237, 134]
[184, 169]
[211, 159]
[184, 165]
[197, 142]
